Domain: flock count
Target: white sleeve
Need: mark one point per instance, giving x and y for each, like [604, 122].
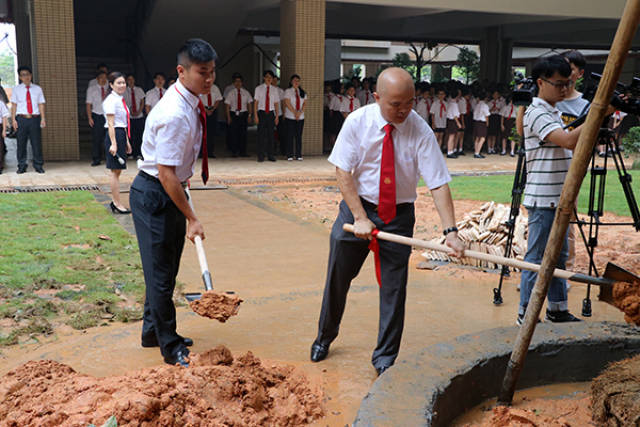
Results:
[14, 95]
[217, 96]
[40, 97]
[170, 140]
[108, 106]
[431, 163]
[345, 151]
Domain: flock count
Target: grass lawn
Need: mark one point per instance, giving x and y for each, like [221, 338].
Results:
[498, 188]
[64, 260]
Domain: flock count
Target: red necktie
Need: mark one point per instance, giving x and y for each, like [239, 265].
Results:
[442, 108]
[267, 109]
[128, 118]
[468, 106]
[297, 100]
[205, 154]
[239, 101]
[29, 105]
[209, 103]
[387, 197]
[351, 104]
[102, 91]
[511, 111]
[494, 106]
[133, 101]
[160, 93]
[367, 99]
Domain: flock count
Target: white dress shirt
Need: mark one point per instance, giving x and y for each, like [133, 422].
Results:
[4, 111]
[19, 97]
[481, 111]
[422, 108]
[135, 110]
[366, 97]
[358, 150]
[345, 106]
[152, 96]
[336, 102]
[462, 106]
[113, 105]
[261, 97]
[508, 111]
[214, 96]
[172, 133]
[231, 99]
[280, 98]
[92, 82]
[495, 105]
[452, 109]
[439, 111]
[290, 94]
[94, 97]
[228, 88]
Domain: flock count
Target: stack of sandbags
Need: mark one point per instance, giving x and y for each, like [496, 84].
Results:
[485, 230]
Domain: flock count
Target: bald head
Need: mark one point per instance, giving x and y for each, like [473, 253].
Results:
[394, 93]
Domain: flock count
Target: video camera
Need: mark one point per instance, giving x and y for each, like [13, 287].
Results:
[524, 91]
[625, 98]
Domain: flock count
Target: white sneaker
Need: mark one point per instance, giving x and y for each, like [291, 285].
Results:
[289, 159]
[299, 159]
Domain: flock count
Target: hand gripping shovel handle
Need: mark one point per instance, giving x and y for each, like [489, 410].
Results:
[523, 265]
[202, 258]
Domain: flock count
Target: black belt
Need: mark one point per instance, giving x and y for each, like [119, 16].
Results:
[152, 178]
[374, 207]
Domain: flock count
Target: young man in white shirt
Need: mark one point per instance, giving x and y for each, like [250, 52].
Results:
[365, 96]
[174, 130]
[380, 154]
[96, 94]
[349, 102]
[439, 115]
[265, 115]
[28, 117]
[100, 68]
[134, 97]
[211, 102]
[238, 104]
[154, 95]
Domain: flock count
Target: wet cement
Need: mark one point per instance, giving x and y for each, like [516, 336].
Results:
[277, 263]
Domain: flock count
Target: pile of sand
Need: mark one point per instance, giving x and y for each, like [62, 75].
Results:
[615, 394]
[215, 391]
[216, 306]
[626, 297]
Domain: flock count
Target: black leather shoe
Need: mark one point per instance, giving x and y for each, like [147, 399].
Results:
[39, 170]
[272, 159]
[21, 170]
[95, 163]
[188, 342]
[381, 369]
[319, 352]
[181, 357]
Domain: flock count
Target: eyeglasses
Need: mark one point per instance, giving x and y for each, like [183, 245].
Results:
[560, 85]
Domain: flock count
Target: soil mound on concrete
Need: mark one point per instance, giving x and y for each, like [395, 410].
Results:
[615, 394]
[217, 390]
[626, 297]
[216, 306]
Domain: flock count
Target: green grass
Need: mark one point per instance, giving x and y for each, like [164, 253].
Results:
[498, 188]
[50, 241]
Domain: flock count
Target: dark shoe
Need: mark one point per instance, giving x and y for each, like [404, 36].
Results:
[0, 171]
[188, 342]
[503, 153]
[272, 159]
[22, 170]
[381, 369]
[95, 163]
[115, 209]
[512, 154]
[452, 156]
[520, 320]
[212, 156]
[244, 155]
[561, 317]
[39, 170]
[478, 156]
[319, 352]
[181, 357]
[260, 160]
[461, 153]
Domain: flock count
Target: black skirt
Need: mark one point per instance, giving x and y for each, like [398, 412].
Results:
[479, 129]
[494, 125]
[121, 140]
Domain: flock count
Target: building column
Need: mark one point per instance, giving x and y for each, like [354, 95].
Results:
[495, 56]
[302, 47]
[48, 46]
[332, 59]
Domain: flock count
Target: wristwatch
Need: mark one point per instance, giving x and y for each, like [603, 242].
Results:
[450, 230]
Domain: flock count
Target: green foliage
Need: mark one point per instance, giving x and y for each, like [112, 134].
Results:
[356, 71]
[631, 141]
[469, 61]
[7, 70]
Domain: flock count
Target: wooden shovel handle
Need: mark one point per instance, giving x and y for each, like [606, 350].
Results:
[523, 265]
[202, 258]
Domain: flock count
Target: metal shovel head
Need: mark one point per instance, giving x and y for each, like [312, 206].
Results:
[192, 296]
[616, 273]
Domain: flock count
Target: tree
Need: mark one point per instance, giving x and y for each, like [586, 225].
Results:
[402, 60]
[469, 61]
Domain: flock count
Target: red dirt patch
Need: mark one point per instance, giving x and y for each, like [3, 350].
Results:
[626, 296]
[216, 306]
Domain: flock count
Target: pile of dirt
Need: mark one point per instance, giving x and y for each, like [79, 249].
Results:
[216, 390]
[216, 306]
[615, 394]
[626, 296]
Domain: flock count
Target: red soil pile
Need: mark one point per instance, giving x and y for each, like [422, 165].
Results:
[615, 394]
[216, 306]
[217, 390]
[626, 296]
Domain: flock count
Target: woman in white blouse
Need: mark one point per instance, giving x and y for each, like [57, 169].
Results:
[294, 104]
[116, 140]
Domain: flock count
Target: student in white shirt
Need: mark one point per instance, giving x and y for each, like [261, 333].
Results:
[334, 109]
[294, 103]
[28, 117]
[507, 122]
[493, 131]
[326, 122]
[349, 103]
[481, 115]
[153, 96]
[464, 106]
[4, 113]
[265, 115]
[162, 216]
[439, 115]
[116, 140]
[96, 95]
[238, 103]
[100, 68]
[281, 129]
[365, 96]
[453, 122]
[134, 96]
[211, 102]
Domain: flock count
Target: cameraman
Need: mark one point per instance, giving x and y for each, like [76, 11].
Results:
[548, 154]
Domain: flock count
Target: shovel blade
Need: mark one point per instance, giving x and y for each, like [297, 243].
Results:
[618, 274]
[192, 296]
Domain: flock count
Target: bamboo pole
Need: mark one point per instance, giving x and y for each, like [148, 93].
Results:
[577, 171]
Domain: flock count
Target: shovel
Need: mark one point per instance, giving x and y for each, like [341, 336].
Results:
[612, 274]
[202, 259]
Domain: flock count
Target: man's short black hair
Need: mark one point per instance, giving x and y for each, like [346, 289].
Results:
[268, 73]
[196, 51]
[547, 66]
[576, 58]
[24, 68]
[101, 65]
[236, 76]
[159, 74]
[99, 73]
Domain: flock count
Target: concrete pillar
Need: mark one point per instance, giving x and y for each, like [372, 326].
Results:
[495, 56]
[332, 58]
[302, 47]
[48, 45]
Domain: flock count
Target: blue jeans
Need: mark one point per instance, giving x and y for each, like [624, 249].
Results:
[540, 222]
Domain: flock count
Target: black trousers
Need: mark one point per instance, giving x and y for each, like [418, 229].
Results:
[282, 135]
[137, 129]
[98, 132]
[29, 129]
[3, 150]
[346, 256]
[266, 125]
[212, 124]
[160, 229]
[294, 137]
[238, 133]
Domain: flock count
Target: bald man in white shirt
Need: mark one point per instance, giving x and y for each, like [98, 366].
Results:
[381, 152]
